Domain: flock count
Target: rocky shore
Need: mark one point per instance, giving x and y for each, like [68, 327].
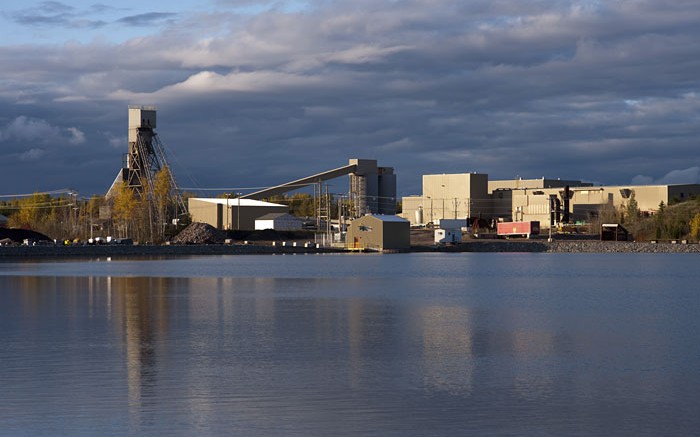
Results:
[101, 251]
[567, 246]
[542, 246]
[621, 247]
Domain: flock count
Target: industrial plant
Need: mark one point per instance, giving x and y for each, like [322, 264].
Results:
[363, 217]
[551, 202]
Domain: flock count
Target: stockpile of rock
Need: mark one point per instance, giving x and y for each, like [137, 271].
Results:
[200, 233]
[12, 235]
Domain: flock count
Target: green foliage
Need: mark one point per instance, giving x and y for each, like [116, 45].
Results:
[672, 222]
[632, 210]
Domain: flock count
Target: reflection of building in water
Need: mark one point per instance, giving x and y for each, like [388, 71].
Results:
[530, 382]
[448, 362]
[140, 311]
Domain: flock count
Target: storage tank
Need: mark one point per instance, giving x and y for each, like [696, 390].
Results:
[419, 215]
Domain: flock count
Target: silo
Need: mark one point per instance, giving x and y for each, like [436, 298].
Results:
[364, 186]
[387, 191]
[419, 215]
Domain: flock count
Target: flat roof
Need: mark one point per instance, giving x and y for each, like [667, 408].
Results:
[236, 201]
[388, 218]
[275, 215]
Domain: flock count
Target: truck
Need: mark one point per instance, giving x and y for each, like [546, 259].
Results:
[518, 229]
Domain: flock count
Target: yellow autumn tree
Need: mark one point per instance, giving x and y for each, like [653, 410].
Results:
[162, 197]
[124, 209]
[29, 214]
[695, 227]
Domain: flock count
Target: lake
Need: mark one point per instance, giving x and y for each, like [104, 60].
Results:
[403, 344]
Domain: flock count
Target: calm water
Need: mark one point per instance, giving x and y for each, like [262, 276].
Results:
[410, 344]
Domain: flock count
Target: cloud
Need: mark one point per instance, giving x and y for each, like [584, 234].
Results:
[147, 19]
[642, 180]
[604, 91]
[32, 155]
[53, 13]
[76, 136]
[689, 175]
[686, 176]
[27, 130]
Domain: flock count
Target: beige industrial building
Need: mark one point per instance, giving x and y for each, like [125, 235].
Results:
[585, 202]
[379, 232]
[449, 196]
[236, 213]
[472, 195]
[520, 183]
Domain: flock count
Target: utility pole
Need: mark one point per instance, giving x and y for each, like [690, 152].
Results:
[238, 213]
[228, 212]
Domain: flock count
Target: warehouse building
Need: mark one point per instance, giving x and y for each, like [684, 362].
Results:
[279, 221]
[379, 232]
[234, 213]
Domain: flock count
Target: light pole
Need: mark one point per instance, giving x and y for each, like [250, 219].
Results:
[228, 213]
[238, 213]
[431, 209]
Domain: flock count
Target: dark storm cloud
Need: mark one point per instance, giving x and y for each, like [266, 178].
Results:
[603, 91]
[53, 13]
[148, 19]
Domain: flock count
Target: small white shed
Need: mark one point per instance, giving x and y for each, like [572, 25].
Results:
[279, 222]
[444, 236]
[450, 231]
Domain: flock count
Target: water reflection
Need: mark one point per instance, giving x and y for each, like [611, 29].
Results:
[448, 363]
[381, 355]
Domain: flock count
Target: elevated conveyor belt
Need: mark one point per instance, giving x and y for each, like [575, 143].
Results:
[293, 185]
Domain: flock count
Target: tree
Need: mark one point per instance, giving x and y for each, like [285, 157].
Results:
[124, 208]
[659, 219]
[632, 209]
[695, 227]
[29, 213]
[162, 197]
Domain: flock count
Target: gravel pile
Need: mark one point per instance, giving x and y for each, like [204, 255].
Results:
[19, 235]
[200, 233]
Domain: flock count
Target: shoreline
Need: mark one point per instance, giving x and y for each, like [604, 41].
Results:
[509, 246]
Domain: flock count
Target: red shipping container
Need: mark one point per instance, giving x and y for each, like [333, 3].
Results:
[518, 228]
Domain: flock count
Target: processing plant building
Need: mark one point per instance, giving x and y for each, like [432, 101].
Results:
[472, 195]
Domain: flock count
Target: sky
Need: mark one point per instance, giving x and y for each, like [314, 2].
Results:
[256, 93]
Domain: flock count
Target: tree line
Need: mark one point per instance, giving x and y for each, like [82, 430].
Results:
[676, 221]
[144, 217]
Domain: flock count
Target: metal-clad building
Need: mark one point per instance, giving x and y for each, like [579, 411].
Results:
[379, 232]
[234, 213]
[279, 222]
